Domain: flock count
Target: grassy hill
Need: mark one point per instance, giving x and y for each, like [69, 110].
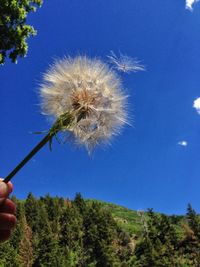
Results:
[133, 221]
[129, 220]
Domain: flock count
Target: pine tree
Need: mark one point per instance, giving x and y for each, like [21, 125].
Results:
[158, 247]
[189, 247]
[71, 235]
[31, 212]
[193, 220]
[47, 246]
[100, 233]
[80, 203]
[25, 246]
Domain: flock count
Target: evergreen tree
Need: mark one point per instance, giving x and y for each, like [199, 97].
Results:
[80, 203]
[193, 220]
[54, 211]
[189, 247]
[31, 212]
[25, 246]
[71, 235]
[158, 247]
[47, 246]
[100, 232]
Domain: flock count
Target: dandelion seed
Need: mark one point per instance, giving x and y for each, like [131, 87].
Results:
[125, 63]
[91, 93]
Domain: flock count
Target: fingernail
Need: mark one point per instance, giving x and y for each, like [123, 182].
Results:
[3, 189]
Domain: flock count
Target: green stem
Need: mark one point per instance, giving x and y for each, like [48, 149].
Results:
[63, 122]
[28, 157]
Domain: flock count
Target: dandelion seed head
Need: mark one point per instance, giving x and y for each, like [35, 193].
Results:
[91, 92]
[125, 63]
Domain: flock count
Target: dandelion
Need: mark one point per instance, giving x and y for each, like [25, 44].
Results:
[85, 98]
[125, 63]
[88, 91]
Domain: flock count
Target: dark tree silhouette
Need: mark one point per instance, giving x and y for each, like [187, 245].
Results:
[13, 28]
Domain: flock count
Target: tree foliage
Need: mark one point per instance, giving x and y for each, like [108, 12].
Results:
[13, 28]
[64, 233]
[60, 232]
[162, 245]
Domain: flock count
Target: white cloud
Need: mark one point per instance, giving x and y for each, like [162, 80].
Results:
[196, 105]
[189, 4]
[183, 143]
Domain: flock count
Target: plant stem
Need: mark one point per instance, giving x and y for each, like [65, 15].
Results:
[63, 122]
[28, 157]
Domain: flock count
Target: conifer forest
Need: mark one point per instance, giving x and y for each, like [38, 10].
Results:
[59, 232]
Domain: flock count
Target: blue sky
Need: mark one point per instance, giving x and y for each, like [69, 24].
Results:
[145, 166]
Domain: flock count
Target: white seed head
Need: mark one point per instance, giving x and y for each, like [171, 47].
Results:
[91, 92]
[125, 63]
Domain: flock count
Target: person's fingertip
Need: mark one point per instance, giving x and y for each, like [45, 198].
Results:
[4, 190]
[10, 187]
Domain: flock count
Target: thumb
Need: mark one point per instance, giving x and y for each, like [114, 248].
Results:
[4, 190]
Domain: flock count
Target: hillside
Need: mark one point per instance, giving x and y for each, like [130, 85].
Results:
[129, 220]
[134, 221]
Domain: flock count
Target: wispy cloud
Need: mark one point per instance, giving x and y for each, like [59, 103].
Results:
[183, 143]
[196, 105]
[189, 4]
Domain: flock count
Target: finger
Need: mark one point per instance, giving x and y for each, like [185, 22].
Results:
[7, 188]
[4, 235]
[7, 221]
[10, 187]
[7, 206]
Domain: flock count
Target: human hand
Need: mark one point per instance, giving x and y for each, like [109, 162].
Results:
[7, 211]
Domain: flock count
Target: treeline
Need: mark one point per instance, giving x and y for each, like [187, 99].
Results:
[59, 232]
